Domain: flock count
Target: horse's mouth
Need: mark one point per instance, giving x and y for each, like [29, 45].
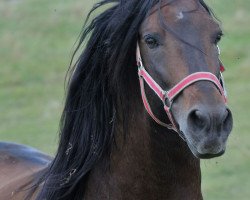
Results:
[204, 155]
[208, 156]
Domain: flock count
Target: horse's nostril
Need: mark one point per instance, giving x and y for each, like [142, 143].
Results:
[227, 122]
[197, 119]
[225, 115]
[214, 119]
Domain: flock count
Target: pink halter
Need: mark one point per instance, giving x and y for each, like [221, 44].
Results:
[167, 97]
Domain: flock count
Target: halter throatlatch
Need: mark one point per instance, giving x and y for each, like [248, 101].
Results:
[167, 97]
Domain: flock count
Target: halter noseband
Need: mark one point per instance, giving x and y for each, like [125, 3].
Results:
[167, 97]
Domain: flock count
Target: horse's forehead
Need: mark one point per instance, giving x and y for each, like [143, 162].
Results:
[182, 5]
[178, 11]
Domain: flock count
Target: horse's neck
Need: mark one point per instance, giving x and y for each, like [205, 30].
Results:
[151, 164]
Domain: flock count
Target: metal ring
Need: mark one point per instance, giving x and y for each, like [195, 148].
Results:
[167, 102]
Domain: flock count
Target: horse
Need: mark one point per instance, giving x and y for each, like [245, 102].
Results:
[145, 102]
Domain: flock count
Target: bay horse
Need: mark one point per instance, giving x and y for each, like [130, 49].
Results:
[145, 102]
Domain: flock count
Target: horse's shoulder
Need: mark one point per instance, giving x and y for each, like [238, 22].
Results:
[18, 164]
[12, 155]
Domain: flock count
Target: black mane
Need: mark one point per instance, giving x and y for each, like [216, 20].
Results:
[102, 88]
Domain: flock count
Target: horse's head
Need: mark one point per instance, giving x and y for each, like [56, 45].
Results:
[176, 40]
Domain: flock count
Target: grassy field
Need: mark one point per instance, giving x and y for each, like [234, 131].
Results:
[36, 43]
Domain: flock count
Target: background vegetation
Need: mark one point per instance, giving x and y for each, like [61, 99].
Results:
[36, 43]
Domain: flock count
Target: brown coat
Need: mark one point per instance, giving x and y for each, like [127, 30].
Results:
[18, 164]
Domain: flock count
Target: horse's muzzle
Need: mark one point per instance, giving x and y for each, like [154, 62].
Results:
[208, 130]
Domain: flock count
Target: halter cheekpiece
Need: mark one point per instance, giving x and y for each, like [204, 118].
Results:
[167, 97]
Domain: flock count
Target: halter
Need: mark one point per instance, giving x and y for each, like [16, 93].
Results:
[168, 97]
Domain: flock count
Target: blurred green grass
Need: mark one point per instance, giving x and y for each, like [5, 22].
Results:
[36, 44]
[228, 177]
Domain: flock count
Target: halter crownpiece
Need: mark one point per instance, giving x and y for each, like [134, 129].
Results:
[167, 97]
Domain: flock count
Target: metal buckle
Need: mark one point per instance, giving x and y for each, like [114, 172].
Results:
[139, 63]
[167, 102]
[222, 82]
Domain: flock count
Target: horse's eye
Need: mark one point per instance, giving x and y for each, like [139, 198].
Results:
[218, 38]
[151, 42]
